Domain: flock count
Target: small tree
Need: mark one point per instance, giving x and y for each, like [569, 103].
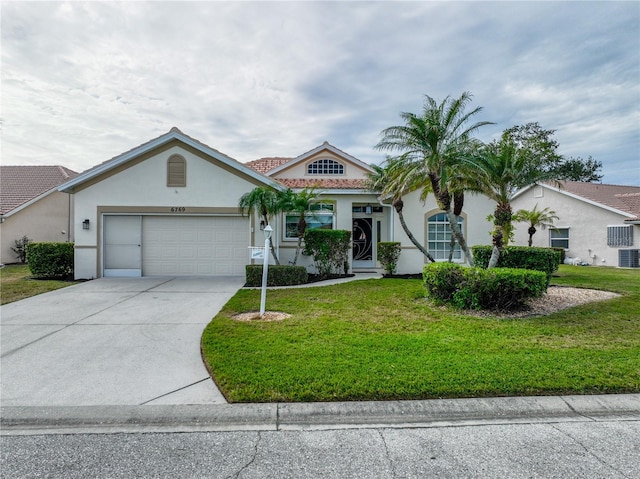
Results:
[265, 202]
[299, 203]
[21, 248]
[535, 217]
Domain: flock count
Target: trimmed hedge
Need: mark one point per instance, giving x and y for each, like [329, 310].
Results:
[388, 255]
[50, 260]
[277, 275]
[499, 289]
[330, 250]
[521, 257]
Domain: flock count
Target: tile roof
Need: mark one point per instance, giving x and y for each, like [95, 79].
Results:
[20, 184]
[328, 183]
[263, 165]
[623, 198]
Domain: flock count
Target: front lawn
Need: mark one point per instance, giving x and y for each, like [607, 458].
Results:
[380, 339]
[16, 283]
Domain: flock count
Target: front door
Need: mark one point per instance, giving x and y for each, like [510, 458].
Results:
[122, 245]
[362, 243]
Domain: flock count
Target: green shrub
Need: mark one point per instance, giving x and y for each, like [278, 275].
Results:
[521, 257]
[562, 254]
[50, 260]
[388, 255]
[474, 288]
[330, 250]
[277, 275]
[442, 280]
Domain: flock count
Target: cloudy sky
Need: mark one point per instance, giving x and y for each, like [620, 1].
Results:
[84, 82]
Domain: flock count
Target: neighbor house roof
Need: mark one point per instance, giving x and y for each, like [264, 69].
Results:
[20, 185]
[621, 199]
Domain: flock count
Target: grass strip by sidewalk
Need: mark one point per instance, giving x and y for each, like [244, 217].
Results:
[380, 340]
[16, 283]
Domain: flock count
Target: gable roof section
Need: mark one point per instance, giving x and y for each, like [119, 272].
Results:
[624, 200]
[325, 146]
[21, 186]
[173, 134]
[323, 183]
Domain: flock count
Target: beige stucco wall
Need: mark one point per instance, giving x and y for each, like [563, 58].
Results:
[476, 227]
[46, 220]
[142, 187]
[587, 225]
[299, 170]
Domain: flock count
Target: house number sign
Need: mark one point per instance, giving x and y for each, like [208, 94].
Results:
[178, 209]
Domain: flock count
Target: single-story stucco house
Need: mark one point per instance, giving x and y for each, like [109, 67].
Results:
[598, 224]
[170, 207]
[32, 206]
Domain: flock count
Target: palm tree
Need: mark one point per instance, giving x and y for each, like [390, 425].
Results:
[265, 202]
[535, 217]
[499, 170]
[299, 203]
[438, 139]
[393, 180]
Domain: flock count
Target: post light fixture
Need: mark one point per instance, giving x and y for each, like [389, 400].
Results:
[85, 224]
[265, 267]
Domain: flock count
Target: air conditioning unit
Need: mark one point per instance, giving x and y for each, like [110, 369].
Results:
[629, 258]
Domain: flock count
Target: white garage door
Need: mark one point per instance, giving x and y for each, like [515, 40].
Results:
[182, 246]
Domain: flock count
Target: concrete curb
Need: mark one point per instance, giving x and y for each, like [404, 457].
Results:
[316, 416]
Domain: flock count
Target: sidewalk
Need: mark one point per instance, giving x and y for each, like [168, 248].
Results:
[319, 416]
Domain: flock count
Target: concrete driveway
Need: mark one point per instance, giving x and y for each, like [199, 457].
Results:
[112, 341]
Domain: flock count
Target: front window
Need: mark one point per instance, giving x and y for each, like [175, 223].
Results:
[325, 166]
[321, 216]
[619, 236]
[439, 238]
[559, 238]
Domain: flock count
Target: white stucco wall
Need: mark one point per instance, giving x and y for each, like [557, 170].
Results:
[144, 185]
[46, 220]
[587, 225]
[476, 227]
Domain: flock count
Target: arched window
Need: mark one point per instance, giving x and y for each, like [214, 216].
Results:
[325, 166]
[176, 171]
[439, 238]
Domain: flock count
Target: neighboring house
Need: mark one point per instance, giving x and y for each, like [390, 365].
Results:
[598, 224]
[170, 207]
[32, 206]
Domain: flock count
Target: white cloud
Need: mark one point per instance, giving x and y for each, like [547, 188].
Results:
[83, 82]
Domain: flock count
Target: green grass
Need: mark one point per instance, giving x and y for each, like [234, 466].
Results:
[16, 283]
[380, 339]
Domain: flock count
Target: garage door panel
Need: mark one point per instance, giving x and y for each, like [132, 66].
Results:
[194, 245]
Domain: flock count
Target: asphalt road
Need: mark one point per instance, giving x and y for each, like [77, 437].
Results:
[608, 449]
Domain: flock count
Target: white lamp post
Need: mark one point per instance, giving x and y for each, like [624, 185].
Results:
[265, 267]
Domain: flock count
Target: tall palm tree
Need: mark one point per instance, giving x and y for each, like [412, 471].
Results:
[265, 203]
[300, 203]
[543, 218]
[499, 171]
[439, 139]
[393, 180]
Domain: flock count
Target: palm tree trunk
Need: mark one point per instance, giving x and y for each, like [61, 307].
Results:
[410, 235]
[457, 234]
[295, 258]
